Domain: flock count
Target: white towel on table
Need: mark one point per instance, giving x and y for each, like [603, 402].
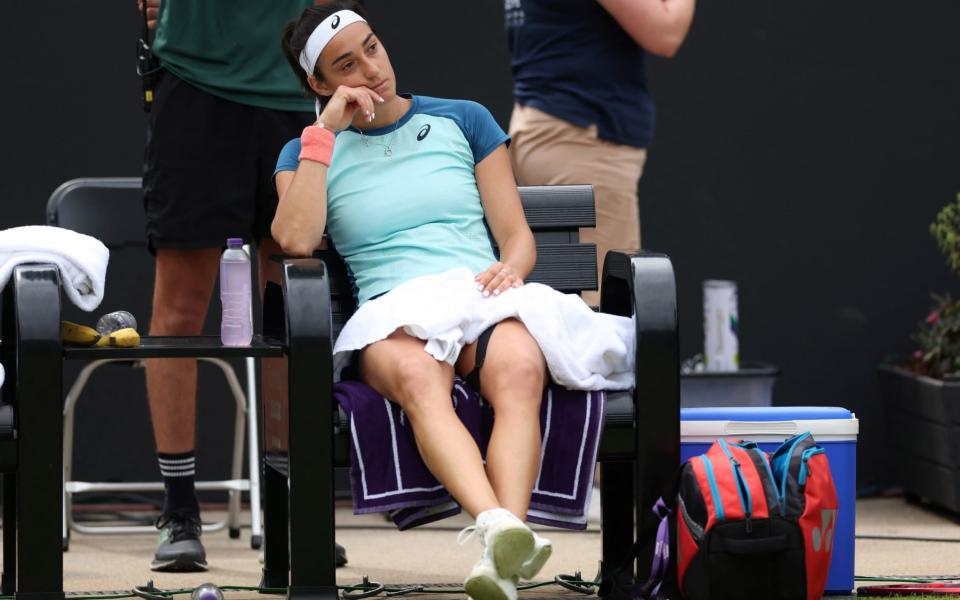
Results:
[584, 350]
[82, 259]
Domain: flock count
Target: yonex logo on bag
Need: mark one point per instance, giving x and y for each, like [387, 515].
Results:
[823, 535]
[424, 132]
[335, 23]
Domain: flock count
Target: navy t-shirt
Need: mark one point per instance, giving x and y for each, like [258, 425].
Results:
[572, 60]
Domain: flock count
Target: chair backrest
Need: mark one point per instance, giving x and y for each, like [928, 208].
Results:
[108, 208]
[555, 214]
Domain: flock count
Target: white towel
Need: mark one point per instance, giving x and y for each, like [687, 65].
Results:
[2, 374]
[584, 350]
[82, 259]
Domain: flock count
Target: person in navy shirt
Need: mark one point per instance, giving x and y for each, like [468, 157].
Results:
[583, 112]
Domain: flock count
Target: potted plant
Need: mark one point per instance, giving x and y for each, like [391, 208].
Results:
[922, 397]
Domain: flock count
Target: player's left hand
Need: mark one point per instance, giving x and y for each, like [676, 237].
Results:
[498, 278]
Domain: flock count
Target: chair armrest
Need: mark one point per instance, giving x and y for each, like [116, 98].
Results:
[31, 331]
[309, 345]
[34, 320]
[643, 285]
[308, 338]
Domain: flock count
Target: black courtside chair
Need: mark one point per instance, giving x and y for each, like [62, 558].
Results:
[639, 452]
[111, 210]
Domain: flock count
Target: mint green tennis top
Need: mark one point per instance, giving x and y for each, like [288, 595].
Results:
[417, 211]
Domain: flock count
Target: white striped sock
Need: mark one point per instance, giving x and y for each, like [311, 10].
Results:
[180, 467]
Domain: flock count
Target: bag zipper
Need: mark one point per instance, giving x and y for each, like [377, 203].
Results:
[786, 468]
[714, 491]
[781, 501]
[746, 502]
[804, 467]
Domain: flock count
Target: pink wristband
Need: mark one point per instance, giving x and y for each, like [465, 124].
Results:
[316, 144]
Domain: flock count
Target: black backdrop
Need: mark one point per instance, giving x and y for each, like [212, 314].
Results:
[802, 148]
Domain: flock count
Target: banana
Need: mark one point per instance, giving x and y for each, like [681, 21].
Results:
[121, 338]
[74, 334]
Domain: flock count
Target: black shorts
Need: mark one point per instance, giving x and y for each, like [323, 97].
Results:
[208, 166]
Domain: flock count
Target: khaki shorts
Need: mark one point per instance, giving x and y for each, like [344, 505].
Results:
[549, 151]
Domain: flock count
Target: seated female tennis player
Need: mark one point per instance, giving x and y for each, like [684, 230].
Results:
[406, 187]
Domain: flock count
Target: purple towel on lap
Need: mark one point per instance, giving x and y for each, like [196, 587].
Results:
[387, 473]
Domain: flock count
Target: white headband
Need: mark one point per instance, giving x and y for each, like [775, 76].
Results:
[322, 35]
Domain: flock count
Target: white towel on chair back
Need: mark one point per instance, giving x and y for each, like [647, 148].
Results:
[584, 350]
[82, 259]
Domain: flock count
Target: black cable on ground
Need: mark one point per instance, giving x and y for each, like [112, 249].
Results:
[365, 589]
[369, 589]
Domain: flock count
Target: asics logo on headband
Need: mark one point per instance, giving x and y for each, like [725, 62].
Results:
[322, 34]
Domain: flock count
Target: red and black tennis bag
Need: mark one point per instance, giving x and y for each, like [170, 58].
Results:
[751, 525]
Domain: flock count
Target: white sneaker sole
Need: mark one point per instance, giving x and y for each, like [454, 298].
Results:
[510, 548]
[536, 562]
[485, 587]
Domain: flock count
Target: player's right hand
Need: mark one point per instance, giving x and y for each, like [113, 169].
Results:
[346, 103]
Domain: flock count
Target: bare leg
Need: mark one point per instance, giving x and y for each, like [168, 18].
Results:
[183, 285]
[398, 368]
[512, 381]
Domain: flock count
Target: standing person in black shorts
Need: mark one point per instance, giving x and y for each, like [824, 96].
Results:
[225, 104]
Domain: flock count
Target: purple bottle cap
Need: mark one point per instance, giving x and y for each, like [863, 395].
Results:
[234, 242]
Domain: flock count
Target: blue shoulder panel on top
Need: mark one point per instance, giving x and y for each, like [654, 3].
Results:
[289, 157]
[479, 127]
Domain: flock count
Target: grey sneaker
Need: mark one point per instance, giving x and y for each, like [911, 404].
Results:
[179, 547]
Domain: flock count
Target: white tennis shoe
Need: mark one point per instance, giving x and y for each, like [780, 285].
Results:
[507, 540]
[483, 582]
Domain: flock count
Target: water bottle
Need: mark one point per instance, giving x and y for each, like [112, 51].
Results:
[115, 321]
[236, 323]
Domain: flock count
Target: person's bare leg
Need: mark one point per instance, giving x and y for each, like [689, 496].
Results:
[398, 368]
[512, 381]
[182, 288]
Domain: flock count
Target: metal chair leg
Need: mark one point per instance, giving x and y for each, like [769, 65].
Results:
[234, 486]
[8, 582]
[236, 469]
[69, 406]
[253, 452]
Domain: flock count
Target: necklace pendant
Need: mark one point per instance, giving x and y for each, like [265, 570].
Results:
[387, 151]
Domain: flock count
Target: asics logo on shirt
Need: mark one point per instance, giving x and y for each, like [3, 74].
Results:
[424, 132]
[335, 23]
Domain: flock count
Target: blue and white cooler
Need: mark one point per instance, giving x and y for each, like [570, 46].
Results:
[833, 428]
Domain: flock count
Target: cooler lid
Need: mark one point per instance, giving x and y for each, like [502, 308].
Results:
[763, 413]
[826, 423]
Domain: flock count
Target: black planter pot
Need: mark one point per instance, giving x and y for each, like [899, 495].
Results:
[923, 426]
